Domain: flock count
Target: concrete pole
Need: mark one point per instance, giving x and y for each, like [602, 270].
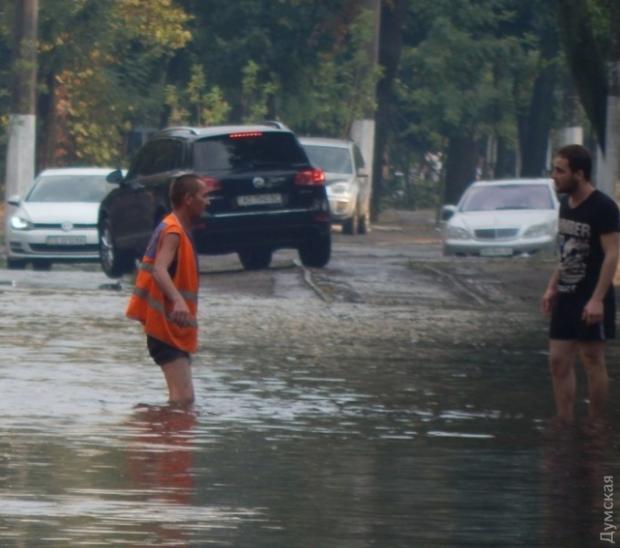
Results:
[608, 161]
[20, 158]
[363, 130]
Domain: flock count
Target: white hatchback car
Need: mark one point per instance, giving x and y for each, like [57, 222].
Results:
[502, 218]
[57, 220]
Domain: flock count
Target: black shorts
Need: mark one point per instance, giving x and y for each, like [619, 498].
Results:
[567, 325]
[163, 353]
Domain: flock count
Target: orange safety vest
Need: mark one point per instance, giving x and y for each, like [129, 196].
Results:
[150, 306]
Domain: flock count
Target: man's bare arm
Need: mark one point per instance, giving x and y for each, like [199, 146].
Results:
[165, 256]
[548, 299]
[593, 311]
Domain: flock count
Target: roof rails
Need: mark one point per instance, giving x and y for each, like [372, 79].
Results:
[189, 129]
[274, 123]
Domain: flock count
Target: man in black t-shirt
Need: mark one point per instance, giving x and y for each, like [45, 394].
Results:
[580, 294]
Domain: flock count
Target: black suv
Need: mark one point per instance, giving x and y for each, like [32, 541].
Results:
[264, 195]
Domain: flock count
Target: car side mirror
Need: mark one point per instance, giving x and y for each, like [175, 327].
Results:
[115, 177]
[14, 200]
[363, 172]
[447, 212]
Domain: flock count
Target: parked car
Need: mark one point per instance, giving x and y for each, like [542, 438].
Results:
[264, 195]
[347, 180]
[502, 218]
[57, 219]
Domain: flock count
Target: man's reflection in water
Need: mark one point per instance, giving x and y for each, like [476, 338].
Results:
[159, 462]
[576, 460]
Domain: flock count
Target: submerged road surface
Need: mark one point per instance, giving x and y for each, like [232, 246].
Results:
[393, 399]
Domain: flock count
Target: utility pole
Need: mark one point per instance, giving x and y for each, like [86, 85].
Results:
[363, 130]
[607, 154]
[608, 176]
[22, 119]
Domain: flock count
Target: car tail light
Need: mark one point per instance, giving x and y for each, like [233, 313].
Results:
[245, 134]
[212, 183]
[310, 177]
[322, 217]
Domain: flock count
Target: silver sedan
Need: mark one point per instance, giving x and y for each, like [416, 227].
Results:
[502, 218]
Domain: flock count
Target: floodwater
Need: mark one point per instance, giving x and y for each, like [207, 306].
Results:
[317, 425]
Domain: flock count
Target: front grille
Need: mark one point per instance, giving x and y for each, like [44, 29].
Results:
[496, 233]
[42, 248]
[47, 226]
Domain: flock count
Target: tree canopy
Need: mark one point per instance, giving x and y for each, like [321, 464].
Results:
[473, 87]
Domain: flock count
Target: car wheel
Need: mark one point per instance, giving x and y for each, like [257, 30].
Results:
[316, 252]
[16, 264]
[363, 225]
[350, 225]
[41, 264]
[255, 259]
[114, 261]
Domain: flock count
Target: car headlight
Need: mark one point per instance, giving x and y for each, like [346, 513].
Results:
[19, 223]
[339, 188]
[457, 233]
[535, 231]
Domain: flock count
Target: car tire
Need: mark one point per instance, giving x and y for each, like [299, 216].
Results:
[114, 262]
[41, 265]
[16, 264]
[316, 252]
[255, 259]
[350, 226]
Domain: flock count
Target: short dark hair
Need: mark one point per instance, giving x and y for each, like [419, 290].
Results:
[185, 184]
[579, 158]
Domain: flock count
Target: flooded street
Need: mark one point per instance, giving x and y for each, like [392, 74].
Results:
[394, 399]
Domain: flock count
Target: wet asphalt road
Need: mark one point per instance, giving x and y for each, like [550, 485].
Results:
[395, 398]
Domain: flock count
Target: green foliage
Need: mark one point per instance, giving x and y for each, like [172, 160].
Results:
[195, 104]
[104, 62]
[468, 70]
[255, 93]
[343, 87]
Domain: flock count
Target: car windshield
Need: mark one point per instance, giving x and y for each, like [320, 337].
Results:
[491, 198]
[329, 158]
[247, 151]
[69, 188]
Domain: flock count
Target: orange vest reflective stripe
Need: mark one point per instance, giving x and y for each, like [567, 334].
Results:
[150, 306]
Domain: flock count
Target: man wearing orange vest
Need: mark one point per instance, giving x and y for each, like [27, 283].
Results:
[165, 298]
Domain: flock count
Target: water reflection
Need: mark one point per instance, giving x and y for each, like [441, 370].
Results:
[576, 459]
[159, 460]
[159, 456]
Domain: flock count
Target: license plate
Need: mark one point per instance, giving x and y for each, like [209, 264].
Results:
[496, 252]
[66, 240]
[259, 199]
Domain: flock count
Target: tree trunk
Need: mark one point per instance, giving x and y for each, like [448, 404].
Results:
[390, 47]
[505, 165]
[585, 61]
[461, 166]
[534, 132]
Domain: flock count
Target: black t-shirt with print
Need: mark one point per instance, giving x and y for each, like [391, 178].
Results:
[581, 253]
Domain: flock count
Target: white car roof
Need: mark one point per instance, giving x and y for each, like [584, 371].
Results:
[500, 182]
[77, 171]
[325, 141]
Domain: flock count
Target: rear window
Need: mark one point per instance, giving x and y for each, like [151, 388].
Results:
[243, 151]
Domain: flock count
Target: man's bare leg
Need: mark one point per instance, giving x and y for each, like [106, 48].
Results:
[562, 355]
[593, 358]
[178, 375]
